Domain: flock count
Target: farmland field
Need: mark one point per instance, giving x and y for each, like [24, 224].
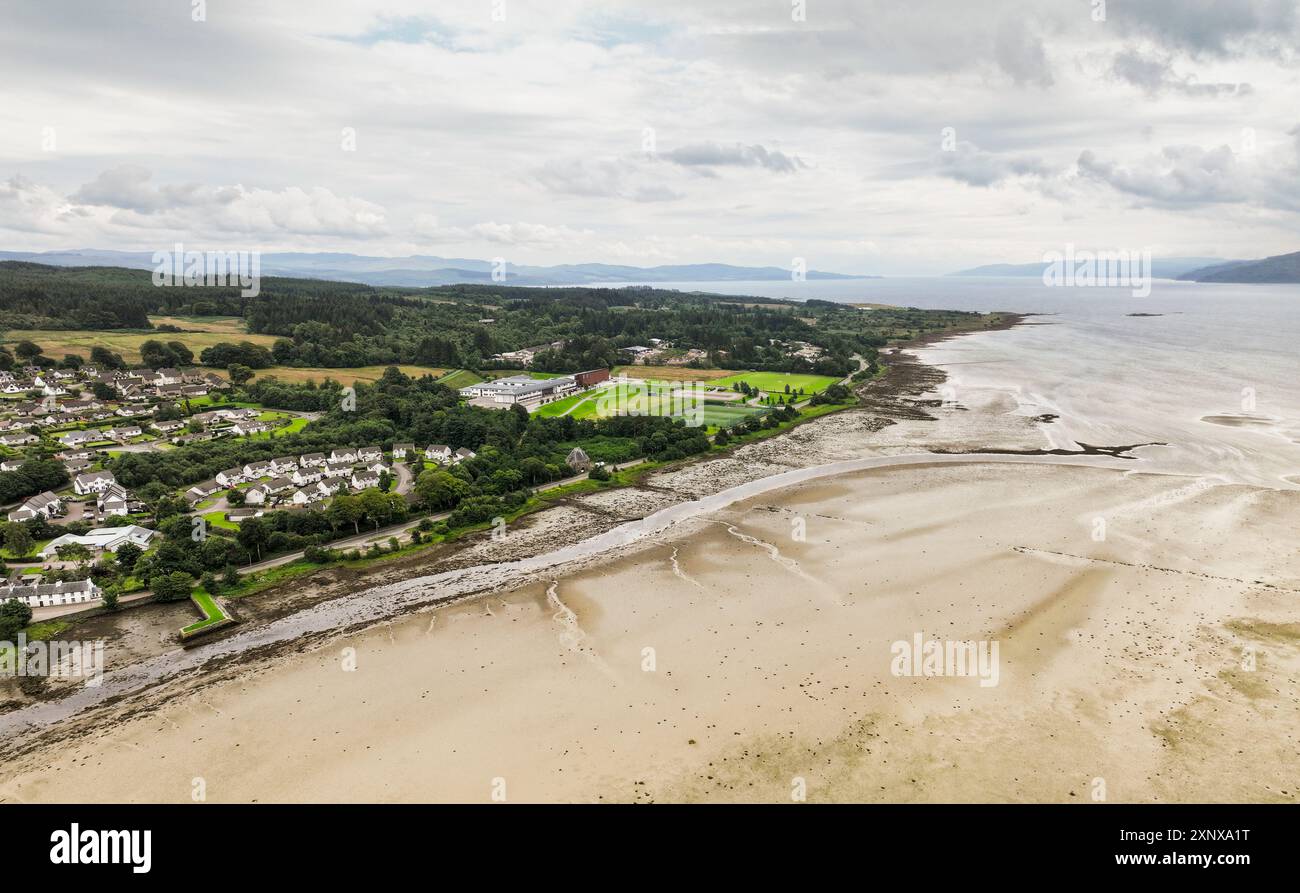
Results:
[775, 382]
[55, 343]
[672, 373]
[365, 374]
[226, 325]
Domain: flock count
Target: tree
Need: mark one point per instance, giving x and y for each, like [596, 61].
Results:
[239, 373]
[127, 555]
[103, 391]
[235, 496]
[102, 356]
[253, 535]
[112, 595]
[171, 587]
[438, 489]
[345, 509]
[27, 350]
[18, 539]
[14, 616]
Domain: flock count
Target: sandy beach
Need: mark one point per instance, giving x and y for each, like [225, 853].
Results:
[1145, 622]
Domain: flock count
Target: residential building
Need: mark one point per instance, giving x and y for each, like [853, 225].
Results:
[93, 482]
[45, 595]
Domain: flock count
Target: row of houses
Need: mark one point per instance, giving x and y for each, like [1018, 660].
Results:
[45, 595]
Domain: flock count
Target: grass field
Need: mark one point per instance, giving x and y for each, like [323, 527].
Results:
[460, 378]
[295, 425]
[212, 612]
[226, 325]
[775, 382]
[493, 374]
[55, 343]
[672, 373]
[588, 404]
[218, 519]
[366, 374]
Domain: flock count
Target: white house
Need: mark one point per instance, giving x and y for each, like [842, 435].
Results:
[254, 470]
[402, 450]
[230, 477]
[307, 475]
[464, 453]
[115, 500]
[438, 452]
[344, 455]
[309, 459]
[93, 482]
[301, 497]
[284, 465]
[102, 539]
[369, 454]
[363, 479]
[256, 494]
[44, 595]
[45, 505]
[201, 491]
[332, 485]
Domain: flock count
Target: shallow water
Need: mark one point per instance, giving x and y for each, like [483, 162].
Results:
[1215, 374]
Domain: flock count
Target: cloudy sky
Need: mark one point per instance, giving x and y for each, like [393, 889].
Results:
[891, 137]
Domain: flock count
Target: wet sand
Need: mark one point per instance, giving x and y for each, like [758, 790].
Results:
[728, 658]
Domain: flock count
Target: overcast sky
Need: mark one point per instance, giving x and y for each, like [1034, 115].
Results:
[893, 137]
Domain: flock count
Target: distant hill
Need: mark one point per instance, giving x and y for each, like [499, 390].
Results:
[1279, 268]
[1161, 267]
[425, 270]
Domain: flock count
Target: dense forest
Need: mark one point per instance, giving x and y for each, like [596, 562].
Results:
[342, 325]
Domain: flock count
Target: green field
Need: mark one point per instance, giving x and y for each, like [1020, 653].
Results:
[775, 382]
[212, 613]
[460, 378]
[218, 519]
[586, 405]
[296, 424]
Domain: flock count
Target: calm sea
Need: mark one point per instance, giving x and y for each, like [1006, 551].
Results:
[1216, 375]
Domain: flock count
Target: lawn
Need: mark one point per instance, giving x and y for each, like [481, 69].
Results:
[218, 519]
[460, 378]
[775, 382]
[56, 342]
[212, 612]
[295, 425]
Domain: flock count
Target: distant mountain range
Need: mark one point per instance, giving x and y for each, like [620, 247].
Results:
[424, 270]
[1279, 268]
[1161, 268]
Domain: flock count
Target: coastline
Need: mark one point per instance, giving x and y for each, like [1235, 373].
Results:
[895, 419]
